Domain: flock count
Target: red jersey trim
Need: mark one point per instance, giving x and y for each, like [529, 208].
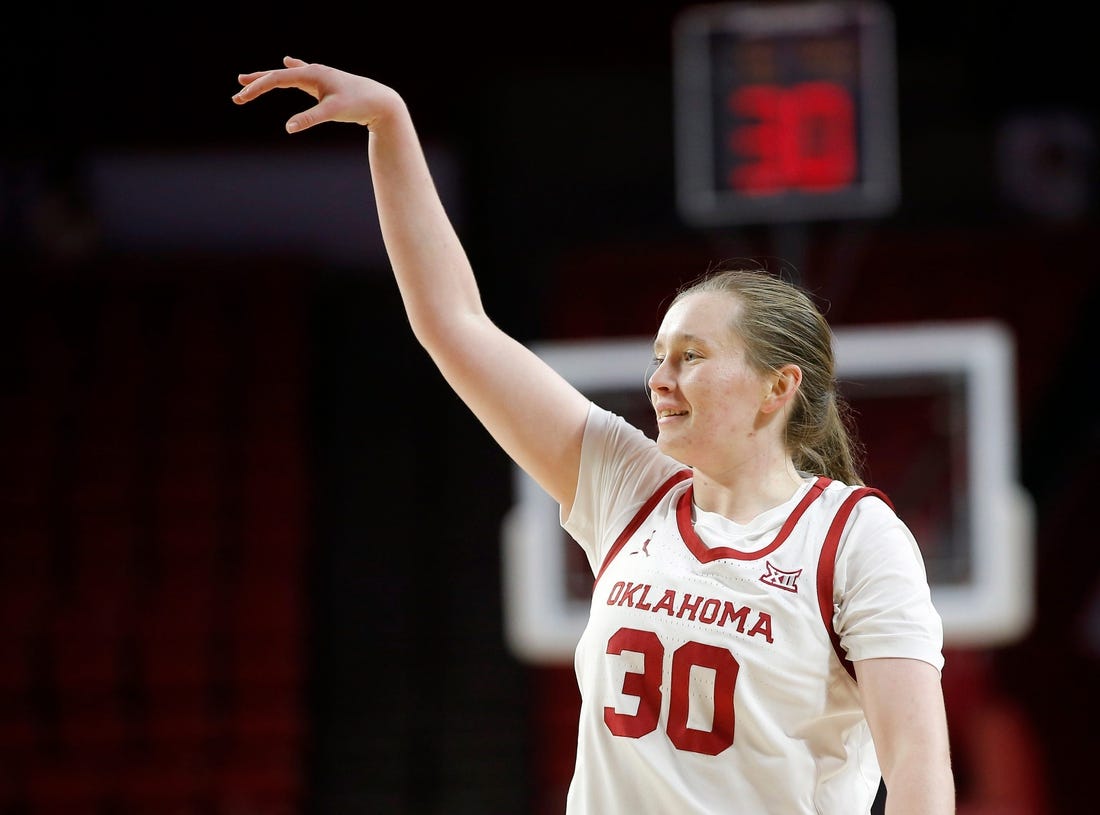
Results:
[704, 554]
[826, 567]
[636, 521]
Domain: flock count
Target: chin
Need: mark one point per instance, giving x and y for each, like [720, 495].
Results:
[667, 447]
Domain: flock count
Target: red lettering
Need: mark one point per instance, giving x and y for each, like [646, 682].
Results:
[688, 607]
[763, 626]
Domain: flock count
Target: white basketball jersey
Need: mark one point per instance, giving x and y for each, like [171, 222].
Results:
[712, 679]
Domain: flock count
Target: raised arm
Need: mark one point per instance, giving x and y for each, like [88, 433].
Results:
[535, 415]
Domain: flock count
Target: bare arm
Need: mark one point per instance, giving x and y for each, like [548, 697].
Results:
[533, 413]
[903, 701]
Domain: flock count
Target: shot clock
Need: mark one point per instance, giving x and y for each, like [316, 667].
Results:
[785, 111]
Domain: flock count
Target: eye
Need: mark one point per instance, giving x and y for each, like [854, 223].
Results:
[690, 356]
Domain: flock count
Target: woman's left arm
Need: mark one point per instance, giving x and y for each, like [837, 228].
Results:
[903, 701]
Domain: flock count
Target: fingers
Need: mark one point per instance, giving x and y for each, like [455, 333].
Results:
[251, 86]
[288, 62]
[304, 120]
[339, 97]
[257, 83]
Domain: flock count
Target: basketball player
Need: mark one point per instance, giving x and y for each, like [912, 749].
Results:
[762, 639]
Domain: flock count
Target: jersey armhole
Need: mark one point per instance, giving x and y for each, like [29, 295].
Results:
[826, 568]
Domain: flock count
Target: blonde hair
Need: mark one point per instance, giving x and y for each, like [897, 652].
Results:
[781, 325]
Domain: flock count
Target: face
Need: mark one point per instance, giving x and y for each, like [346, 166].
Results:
[706, 396]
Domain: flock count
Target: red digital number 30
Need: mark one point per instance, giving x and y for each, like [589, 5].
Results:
[803, 138]
[646, 687]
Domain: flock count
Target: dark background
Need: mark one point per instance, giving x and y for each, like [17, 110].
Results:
[397, 692]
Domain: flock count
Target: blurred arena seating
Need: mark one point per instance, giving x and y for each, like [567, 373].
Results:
[153, 512]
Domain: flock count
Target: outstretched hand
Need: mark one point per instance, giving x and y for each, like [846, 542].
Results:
[341, 97]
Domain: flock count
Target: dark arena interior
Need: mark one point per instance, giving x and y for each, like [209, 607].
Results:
[250, 542]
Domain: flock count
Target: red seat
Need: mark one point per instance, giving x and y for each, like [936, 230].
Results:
[183, 723]
[156, 783]
[266, 662]
[17, 668]
[69, 784]
[23, 733]
[175, 660]
[259, 720]
[86, 664]
[271, 782]
[97, 727]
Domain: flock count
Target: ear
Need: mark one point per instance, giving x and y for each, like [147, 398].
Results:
[782, 386]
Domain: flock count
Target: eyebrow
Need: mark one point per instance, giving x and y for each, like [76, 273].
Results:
[681, 338]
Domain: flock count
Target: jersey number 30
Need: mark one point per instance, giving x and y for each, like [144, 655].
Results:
[646, 686]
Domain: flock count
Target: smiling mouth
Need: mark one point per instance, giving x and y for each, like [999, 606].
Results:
[667, 414]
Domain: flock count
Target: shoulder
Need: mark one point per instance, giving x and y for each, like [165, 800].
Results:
[621, 469]
[868, 530]
[613, 443]
[605, 426]
[862, 501]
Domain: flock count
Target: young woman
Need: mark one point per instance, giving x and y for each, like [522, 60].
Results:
[762, 638]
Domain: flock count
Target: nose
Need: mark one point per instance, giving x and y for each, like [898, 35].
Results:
[658, 379]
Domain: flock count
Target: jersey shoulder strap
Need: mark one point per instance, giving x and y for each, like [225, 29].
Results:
[826, 566]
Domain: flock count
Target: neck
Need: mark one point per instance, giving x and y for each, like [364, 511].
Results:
[741, 497]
